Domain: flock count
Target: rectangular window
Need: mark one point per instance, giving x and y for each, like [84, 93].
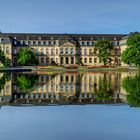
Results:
[47, 60]
[42, 60]
[42, 87]
[85, 60]
[15, 51]
[95, 60]
[37, 51]
[90, 60]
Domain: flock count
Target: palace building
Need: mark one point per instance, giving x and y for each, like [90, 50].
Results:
[62, 49]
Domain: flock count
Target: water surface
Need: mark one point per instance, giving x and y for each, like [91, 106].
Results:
[60, 106]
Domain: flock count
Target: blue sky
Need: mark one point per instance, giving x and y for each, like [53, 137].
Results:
[70, 16]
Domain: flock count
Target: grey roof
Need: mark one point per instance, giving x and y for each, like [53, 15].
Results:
[84, 37]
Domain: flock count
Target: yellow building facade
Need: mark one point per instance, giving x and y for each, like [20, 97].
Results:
[62, 49]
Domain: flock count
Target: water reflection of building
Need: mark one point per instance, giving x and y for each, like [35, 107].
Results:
[73, 88]
[6, 89]
[67, 88]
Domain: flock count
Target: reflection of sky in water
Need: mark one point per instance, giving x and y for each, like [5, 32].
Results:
[70, 123]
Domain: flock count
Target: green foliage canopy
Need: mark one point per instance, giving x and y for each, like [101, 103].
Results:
[131, 55]
[27, 57]
[105, 49]
[26, 82]
[4, 60]
[132, 87]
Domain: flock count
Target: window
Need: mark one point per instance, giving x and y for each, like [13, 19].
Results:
[15, 51]
[37, 51]
[39, 43]
[72, 51]
[72, 60]
[85, 60]
[90, 51]
[42, 78]
[67, 78]
[52, 42]
[95, 60]
[47, 51]
[47, 60]
[37, 87]
[67, 51]
[85, 51]
[80, 42]
[95, 51]
[62, 60]
[52, 51]
[42, 51]
[90, 60]
[34, 43]
[61, 51]
[42, 60]
[85, 43]
[72, 78]
[90, 43]
[56, 51]
[52, 60]
[67, 60]
[42, 87]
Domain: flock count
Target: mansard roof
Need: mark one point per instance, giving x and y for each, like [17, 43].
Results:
[68, 37]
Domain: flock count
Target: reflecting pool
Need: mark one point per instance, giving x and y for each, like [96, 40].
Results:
[70, 105]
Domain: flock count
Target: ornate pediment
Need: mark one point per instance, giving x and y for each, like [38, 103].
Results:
[68, 44]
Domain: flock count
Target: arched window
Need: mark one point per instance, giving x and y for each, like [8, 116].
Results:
[62, 60]
[67, 60]
[72, 60]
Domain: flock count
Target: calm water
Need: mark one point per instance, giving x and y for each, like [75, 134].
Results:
[78, 106]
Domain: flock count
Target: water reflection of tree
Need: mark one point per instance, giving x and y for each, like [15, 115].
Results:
[132, 87]
[25, 82]
[3, 80]
[105, 90]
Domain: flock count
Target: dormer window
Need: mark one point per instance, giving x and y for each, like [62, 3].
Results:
[27, 37]
[39, 38]
[15, 37]
[39, 43]
[79, 38]
[90, 43]
[51, 38]
[85, 43]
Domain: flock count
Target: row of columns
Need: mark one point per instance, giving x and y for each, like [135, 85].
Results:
[67, 60]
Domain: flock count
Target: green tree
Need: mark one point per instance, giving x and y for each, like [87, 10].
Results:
[26, 57]
[132, 87]
[105, 49]
[26, 82]
[3, 59]
[3, 79]
[131, 55]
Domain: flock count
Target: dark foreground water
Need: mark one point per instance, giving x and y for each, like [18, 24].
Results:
[89, 122]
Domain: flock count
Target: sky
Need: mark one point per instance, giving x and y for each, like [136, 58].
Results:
[70, 16]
